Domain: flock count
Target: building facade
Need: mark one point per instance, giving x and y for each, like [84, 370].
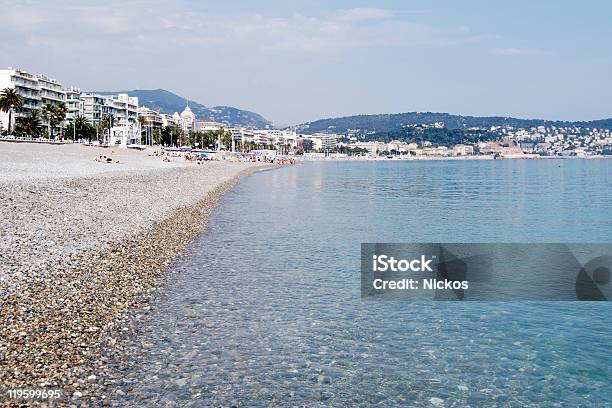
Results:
[125, 129]
[323, 141]
[35, 89]
[94, 108]
[74, 103]
[187, 119]
[205, 126]
[152, 119]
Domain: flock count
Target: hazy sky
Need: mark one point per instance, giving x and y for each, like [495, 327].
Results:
[294, 61]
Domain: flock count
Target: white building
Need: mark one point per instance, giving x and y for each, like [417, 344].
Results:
[242, 135]
[283, 138]
[261, 138]
[152, 119]
[124, 111]
[176, 118]
[36, 90]
[463, 150]
[50, 90]
[94, 108]
[207, 126]
[187, 119]
[125, 129]
[323, 141]
[74, 103]
[169, 120]
[372, 147]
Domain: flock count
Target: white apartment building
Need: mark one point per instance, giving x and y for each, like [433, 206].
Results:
[94, 108]
[125, 129]
[153, 119]
[372, 147]
[323, 141]
[205, 126]
[168, 120]
[36, 90]
[50, 90]
[74, 103]
[281, 138]
[149, 121]
[242, 135]
[261, 138]
[124, 111]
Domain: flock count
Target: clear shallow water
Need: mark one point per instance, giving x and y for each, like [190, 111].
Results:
[266, 308]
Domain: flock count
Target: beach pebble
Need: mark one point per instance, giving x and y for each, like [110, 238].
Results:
[437, 402]
[83, 252]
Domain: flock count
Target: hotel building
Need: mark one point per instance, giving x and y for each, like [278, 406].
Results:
[125, 129]
[74, 103]
[94, 108]
[169, 120]
[187, 119]
[205, 125]
[323, 141]
[36, 90]
[153, 119]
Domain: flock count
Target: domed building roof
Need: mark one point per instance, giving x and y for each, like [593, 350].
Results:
[187, 113]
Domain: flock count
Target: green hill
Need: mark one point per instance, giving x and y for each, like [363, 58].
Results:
[396, 122]
[165, 101]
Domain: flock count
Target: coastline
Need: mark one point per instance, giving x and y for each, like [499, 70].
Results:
[456, 158]
[63, 303]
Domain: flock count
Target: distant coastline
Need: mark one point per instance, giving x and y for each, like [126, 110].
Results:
[456, 158]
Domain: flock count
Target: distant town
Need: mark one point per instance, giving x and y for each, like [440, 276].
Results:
[34, 107]
[509, 142]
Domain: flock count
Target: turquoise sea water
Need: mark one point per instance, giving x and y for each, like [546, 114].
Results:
[266, 307]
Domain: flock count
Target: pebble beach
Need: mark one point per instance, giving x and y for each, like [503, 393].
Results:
[83, 243]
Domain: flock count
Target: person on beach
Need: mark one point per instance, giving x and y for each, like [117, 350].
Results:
[105, 159]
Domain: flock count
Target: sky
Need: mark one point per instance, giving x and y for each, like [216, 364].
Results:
[297, 61]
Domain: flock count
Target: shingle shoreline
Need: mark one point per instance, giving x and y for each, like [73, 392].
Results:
[69, 308]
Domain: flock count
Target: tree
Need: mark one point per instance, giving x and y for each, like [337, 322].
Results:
[29, 124]
[142, 122]
[107, 122]
[80, 127]
[156, 136]
[10, 100]
[54, 114]
[47, 115]
[226, 139]
[209, 137]
[170, 134]
[60, 110]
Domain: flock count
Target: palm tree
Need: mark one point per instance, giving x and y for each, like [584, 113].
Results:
[60, 110]
[10, 100]
[107, 122]
[47, 114]
[226, 140]
[29, 124]
[80, 126]
[142, 121]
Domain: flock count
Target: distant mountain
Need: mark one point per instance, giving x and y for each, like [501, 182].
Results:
[167, 102]
[395, 122]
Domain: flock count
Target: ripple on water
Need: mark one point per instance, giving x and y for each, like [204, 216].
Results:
[265, 309]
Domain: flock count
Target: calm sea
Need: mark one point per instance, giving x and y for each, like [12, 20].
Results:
[266, 308]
